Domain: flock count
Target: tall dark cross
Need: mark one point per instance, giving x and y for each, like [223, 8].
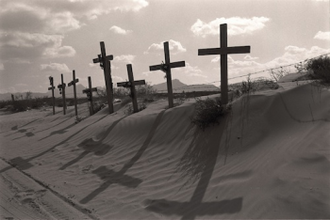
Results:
[73, 83]
[166, 67]
[131, 84]
[89, 93]
[61, 87]
[105, 64]
[52, 87]
[224, 50]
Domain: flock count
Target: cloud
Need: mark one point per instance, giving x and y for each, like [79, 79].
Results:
[30, 17]
[193, 71]
[119, 30]
[322, 35]
[174, 46]
[27, 46]
[2, 67]
[236, 26]
[124, 58]
[65, 51]
[59, 67]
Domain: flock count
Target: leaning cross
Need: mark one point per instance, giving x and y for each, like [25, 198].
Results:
[73, 82]
[224, 50]
[52, 87]
[131, 84]
[89, 93]
[166, 67]
[104, 61]
[61, 87]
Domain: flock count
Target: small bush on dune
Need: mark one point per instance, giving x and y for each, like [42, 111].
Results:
[319, 68]
[207, 112]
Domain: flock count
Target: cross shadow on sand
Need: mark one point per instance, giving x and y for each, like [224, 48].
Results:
[90, 145]
[198, 164]
[53, 147]
[110, 176]
[60, 131]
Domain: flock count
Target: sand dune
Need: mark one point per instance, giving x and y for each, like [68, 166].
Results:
[268, 158]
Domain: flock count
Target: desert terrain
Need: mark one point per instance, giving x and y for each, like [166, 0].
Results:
[269, 158]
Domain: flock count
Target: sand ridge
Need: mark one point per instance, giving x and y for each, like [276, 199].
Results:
[268, 158]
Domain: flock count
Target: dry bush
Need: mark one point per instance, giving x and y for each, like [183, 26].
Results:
[319, 68]
[207, 112]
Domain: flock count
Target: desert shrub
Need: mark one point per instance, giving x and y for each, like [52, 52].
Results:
[277, 73]
[319, 68]
[207, 112]
[129, 109]
[125, 101]
[97, 106]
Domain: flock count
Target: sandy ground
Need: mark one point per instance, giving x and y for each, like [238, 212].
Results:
[269, 158]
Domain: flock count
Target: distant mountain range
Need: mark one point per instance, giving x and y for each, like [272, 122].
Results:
[178, 87]
[68, 93]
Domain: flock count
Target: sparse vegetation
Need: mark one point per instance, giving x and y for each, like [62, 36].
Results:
[319, 68]
[250, 86]
[208, 111]
[277, 73]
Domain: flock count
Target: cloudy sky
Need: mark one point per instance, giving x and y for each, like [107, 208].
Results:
[39, 38]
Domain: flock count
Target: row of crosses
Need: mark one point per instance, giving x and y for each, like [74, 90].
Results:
[105, 63]
[166, 67]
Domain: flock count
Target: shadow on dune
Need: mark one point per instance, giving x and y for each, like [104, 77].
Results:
[110, 176]
[60, 131]
[15, 128]
[91, 146]
[198, 164]
[53, 147]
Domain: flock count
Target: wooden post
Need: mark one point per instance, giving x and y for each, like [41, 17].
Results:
[61, 87]
[73, 82]
[131, 84]
[52, 87]
[89, 93]
[104, 61]
[224, 50]
[166, 67]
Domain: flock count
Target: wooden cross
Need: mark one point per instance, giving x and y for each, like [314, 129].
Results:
[89, 93]
[131, 84]
[224, 50]
[166, 67]
[51, 81]
[73, 82]
[61, 87]
[105, 64]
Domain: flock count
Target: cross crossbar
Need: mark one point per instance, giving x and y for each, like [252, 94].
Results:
[228, 50]
[164, 66]
[89, 90]
[99, 58]
[73, 82]
[61, 86]
[129, 84]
